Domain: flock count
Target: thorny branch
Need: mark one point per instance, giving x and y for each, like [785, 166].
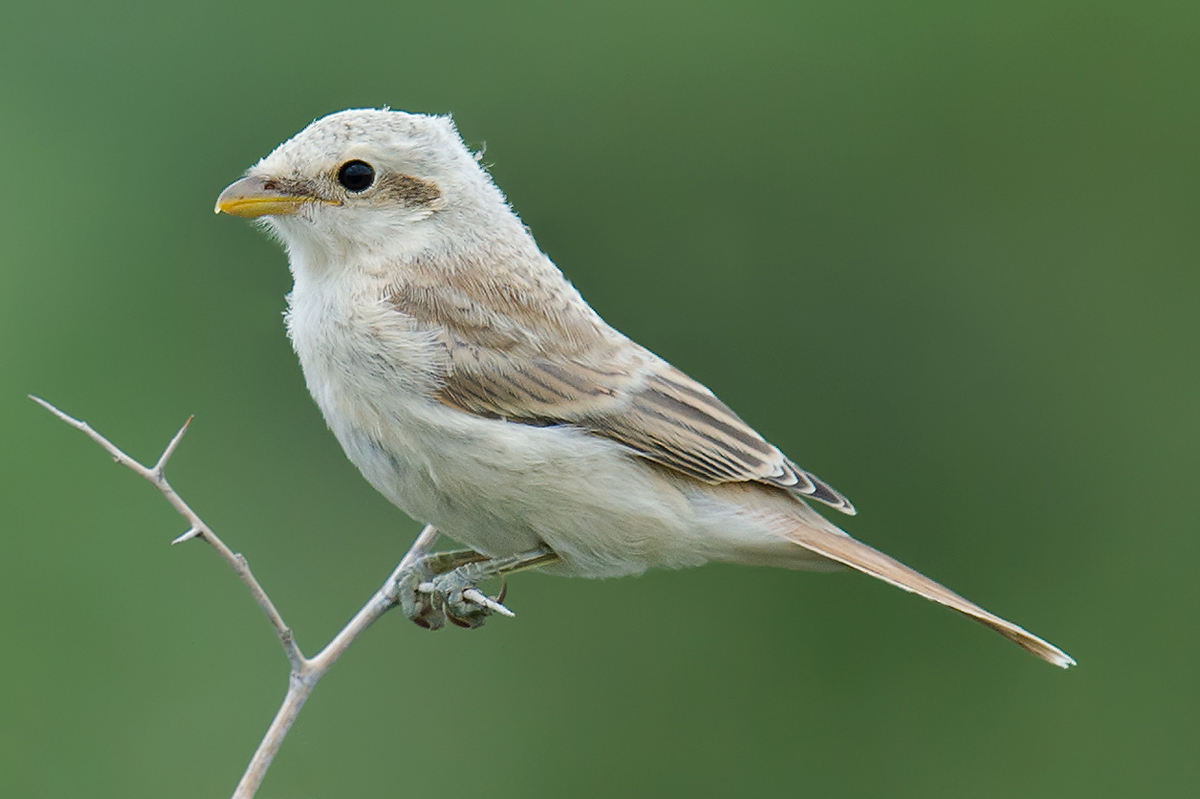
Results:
[305, 672]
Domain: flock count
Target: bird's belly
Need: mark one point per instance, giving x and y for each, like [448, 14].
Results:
[499, 487]
[504, 488]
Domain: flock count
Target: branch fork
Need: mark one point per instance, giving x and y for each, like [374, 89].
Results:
[306, 672]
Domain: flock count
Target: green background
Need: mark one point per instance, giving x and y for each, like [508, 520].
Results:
[944, 254]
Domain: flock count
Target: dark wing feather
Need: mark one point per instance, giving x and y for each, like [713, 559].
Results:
[635, 399]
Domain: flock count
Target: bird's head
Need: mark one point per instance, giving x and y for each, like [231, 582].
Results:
[364, 184]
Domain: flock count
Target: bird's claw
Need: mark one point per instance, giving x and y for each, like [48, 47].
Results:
[463, 603]
[414, 590]
[429, 599]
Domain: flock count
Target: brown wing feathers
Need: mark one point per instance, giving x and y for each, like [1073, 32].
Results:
[655, 409]
[665, 416]
[521, 363]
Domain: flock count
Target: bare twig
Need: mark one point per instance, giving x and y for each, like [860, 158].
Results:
[198, 528]
[305, 672]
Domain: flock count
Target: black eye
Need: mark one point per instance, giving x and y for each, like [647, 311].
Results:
[356, 176]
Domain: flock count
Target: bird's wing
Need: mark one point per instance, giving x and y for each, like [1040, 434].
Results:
[625, 393]
[613, 388]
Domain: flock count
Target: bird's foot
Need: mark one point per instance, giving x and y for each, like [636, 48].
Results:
[445, 586]
[414, 587]
[457, 595]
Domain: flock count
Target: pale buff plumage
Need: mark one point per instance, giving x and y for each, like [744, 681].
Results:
[479, 392]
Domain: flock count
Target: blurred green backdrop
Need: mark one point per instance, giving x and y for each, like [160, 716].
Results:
[943, 254]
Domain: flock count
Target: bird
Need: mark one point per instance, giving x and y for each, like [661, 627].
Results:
[475, 388]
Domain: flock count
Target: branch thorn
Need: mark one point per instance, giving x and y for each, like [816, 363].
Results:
[170, 450]
[188, 536]
[476, 596]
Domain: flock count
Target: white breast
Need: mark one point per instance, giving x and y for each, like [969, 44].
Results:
[496, 486]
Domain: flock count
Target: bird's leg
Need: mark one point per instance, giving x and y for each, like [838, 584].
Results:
[459, 595]
[453, 593]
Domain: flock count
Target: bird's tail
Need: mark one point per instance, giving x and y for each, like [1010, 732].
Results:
[835, 545]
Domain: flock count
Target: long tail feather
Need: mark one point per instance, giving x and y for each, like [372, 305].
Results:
[857, 555]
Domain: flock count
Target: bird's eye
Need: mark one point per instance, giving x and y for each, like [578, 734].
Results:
[356, 176]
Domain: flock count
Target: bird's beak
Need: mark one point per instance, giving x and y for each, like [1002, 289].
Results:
[252, 196]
